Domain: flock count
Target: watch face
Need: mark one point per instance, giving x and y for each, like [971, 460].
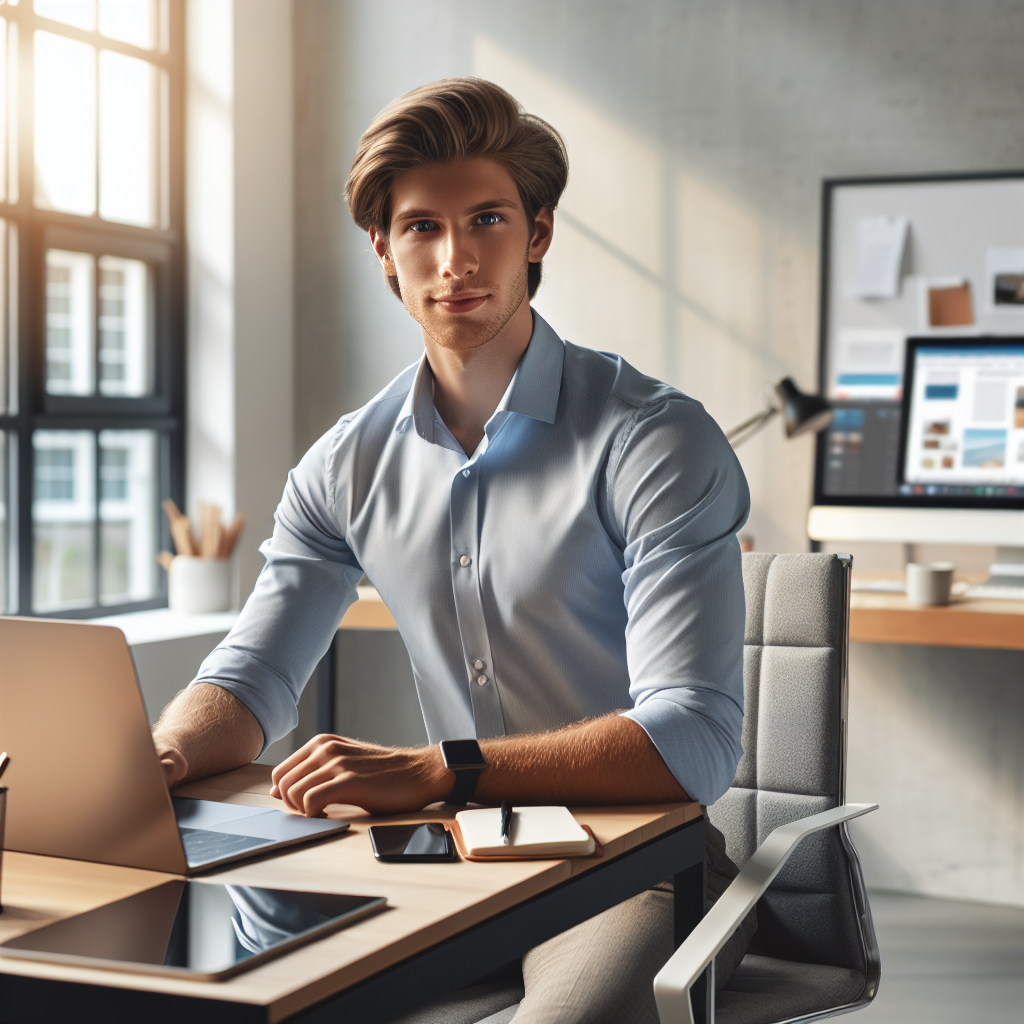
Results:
[462, 754]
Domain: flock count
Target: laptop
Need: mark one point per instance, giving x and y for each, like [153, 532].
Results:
[84, 780]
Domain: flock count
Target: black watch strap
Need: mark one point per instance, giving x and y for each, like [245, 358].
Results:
[465, 786]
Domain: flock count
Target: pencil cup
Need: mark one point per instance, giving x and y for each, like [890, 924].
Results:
[3, 819]
[199, 585]
[929, 582]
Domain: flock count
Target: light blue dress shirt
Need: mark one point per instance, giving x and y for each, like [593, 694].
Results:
[582, 561]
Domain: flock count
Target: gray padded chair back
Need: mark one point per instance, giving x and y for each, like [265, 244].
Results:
[794, 764]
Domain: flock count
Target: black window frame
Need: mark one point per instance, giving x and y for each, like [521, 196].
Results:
[163, 250]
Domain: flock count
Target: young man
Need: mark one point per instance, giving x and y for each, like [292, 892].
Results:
[553, 532]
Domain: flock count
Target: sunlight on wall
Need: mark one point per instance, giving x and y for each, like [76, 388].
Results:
[685, 280]
[210, 213]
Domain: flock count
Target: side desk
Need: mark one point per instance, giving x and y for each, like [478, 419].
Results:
[880, 618]
[369, 612]
[445, 925]
[874, 618]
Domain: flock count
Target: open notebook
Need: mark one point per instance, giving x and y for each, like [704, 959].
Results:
[536, 832]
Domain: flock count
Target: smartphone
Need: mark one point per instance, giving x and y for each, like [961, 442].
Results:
[429, 841]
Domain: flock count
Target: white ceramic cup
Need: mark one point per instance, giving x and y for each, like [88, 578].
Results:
[199, 585]
[929, 582]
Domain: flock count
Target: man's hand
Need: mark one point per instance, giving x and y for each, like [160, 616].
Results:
[204, 731]
[381, 780]
[173, 763]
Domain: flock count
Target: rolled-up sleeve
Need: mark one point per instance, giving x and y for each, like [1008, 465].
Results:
[678, 496]
[288, 622]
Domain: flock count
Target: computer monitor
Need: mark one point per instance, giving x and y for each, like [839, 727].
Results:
[912, 267]
[962, 419]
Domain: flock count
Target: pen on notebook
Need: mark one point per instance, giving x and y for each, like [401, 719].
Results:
[506, 822]
[4, 762]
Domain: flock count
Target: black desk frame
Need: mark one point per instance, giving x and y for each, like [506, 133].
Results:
[420, 979]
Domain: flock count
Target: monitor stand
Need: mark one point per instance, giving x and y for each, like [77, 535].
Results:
[1005, 575]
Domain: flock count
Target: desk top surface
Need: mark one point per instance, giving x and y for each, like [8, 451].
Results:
[426, 902]
[964, 622]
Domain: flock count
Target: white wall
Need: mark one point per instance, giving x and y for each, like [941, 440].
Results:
[239, 189]
[698, 133]
[240, 263]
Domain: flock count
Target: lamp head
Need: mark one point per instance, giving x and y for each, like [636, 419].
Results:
[803, 413]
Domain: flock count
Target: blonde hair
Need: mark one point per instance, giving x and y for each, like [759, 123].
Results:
[450, 120]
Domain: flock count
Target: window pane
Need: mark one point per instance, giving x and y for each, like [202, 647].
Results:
[131, 21]
[65, 85]
[125, 336]
[128, 516]
[69, 323]
[80, 13]
[127, 139]
[8, 556]
[63, 520]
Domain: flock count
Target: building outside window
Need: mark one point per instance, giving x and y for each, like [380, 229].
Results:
[91, 261]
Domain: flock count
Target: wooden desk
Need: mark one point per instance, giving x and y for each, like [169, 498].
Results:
[966, 622]
[874, 618]
[369, 612]
[445, 925]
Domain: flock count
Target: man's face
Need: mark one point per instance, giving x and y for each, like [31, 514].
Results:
[459, 245]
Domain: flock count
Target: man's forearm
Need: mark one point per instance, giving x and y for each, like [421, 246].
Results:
[608, 760]
[203, 731]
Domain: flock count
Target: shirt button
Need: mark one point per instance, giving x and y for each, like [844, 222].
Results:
[479, 665]
[465, 472]
[481, 680]
[465, 561]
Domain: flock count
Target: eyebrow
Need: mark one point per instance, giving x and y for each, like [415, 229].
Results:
[489, 204]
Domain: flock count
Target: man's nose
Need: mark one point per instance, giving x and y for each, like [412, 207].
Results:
[460, 258]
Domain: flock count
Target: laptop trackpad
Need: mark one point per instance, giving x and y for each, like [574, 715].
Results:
[210, 813]
[279, 827]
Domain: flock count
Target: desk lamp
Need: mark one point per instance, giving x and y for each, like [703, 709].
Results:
[802, 413]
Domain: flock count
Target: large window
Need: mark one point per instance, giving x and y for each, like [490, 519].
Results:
[90, 301]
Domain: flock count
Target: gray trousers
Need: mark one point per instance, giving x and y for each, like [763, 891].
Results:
[600, 972]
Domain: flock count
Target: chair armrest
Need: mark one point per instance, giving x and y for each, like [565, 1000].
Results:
[672, 983]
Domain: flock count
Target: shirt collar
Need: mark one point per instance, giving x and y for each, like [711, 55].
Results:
[538, 379]
[533, 391]
[419, 403]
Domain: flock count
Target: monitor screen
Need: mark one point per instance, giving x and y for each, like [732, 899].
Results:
[962, 418]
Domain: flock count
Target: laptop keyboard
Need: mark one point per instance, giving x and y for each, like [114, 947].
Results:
[203, 846]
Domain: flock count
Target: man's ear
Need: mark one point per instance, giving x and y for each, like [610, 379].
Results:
[379, 241]
[543, 232]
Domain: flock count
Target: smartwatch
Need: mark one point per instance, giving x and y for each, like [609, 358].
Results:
[465, 758]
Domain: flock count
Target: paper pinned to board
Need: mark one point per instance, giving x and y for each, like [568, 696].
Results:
[1005, 268]
[945, 303]
[881, 241]
[868, 363]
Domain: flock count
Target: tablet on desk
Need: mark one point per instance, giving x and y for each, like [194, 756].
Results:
[200, 930]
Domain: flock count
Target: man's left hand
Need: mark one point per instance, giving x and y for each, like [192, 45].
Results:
[381, 780]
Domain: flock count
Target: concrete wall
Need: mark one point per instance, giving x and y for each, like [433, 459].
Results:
[698, 134]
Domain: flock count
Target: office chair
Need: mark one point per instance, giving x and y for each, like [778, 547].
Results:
[814, 954]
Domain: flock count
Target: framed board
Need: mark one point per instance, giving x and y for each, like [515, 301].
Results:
[937, 256]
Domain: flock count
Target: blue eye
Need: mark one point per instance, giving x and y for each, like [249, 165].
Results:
[489, 218]
[424, 225]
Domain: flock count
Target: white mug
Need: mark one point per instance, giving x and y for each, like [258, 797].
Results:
[199, 585]
[929, 582]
